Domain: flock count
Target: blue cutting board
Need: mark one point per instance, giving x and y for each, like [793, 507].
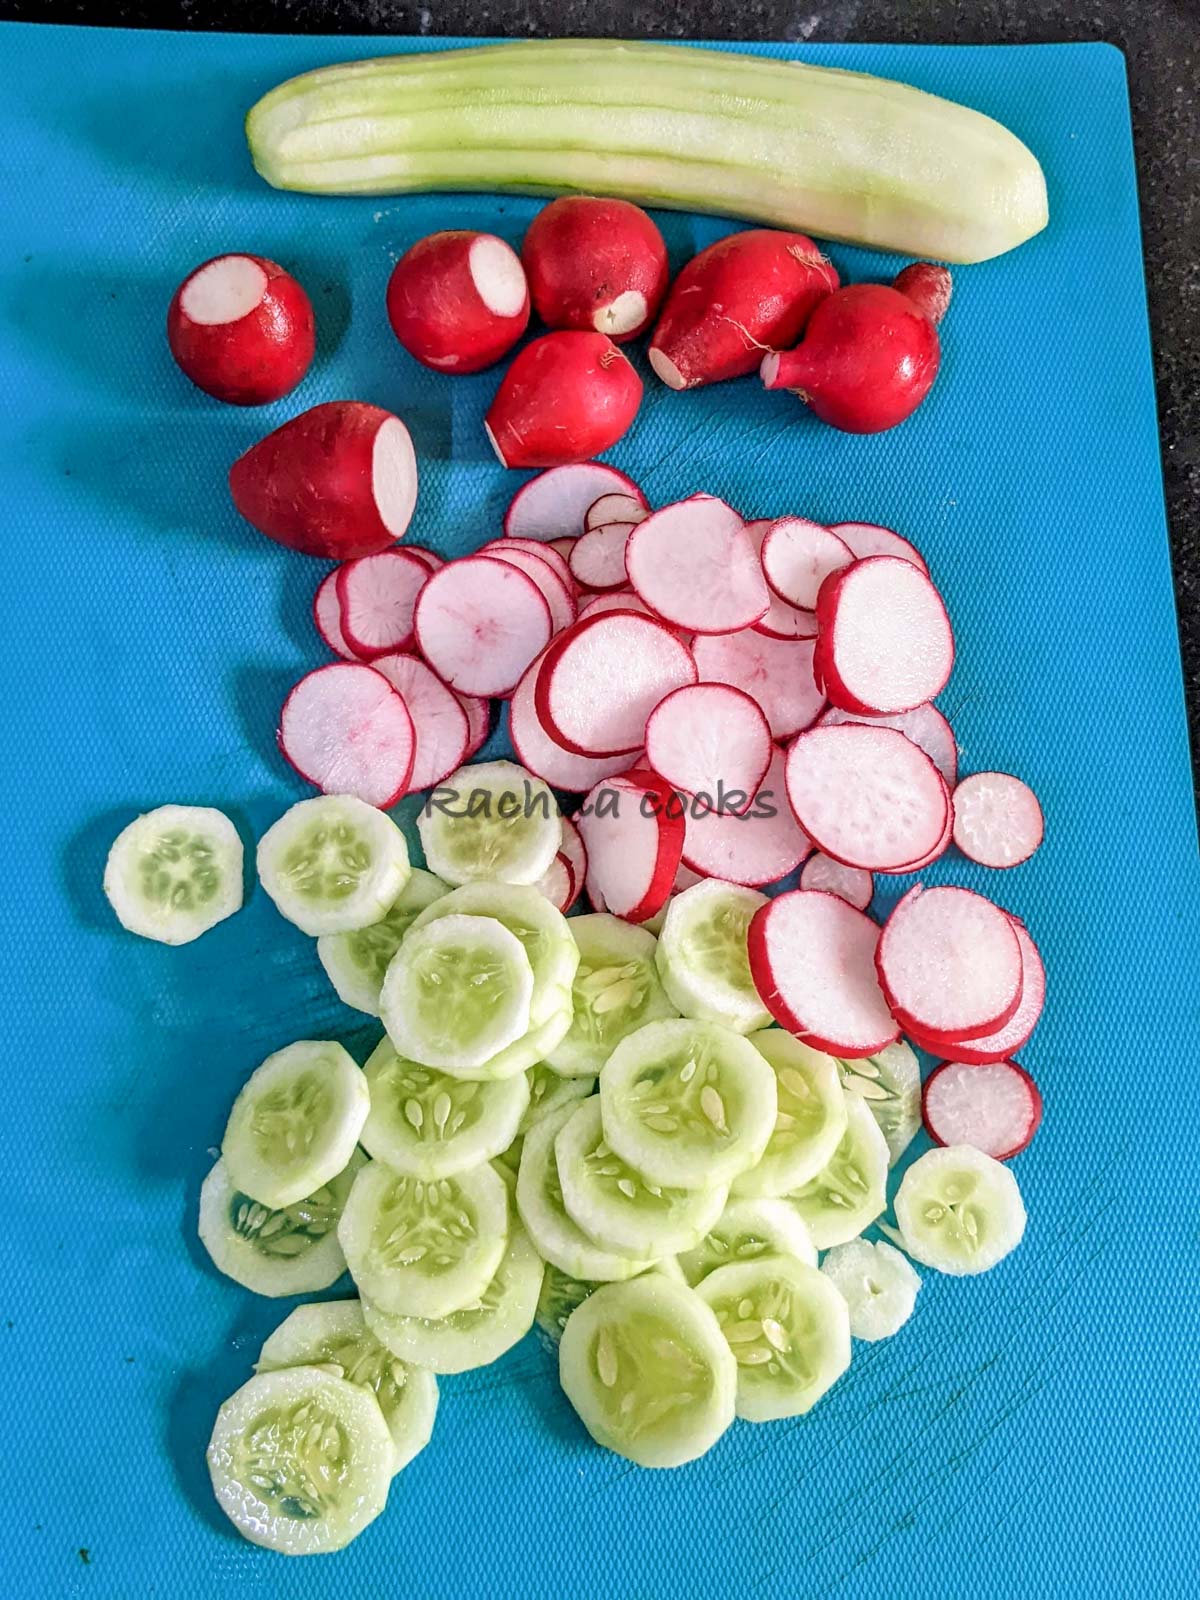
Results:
[1031, 1432]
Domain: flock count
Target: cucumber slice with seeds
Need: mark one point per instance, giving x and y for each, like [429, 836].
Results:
[878, 1285]
[300, 1460]
[559, 1296]
[811, 1117]
[890, 1083]
[456, 992]
[333, 864]
[648, 1370]
[174, 873]
[959, 1211]
[688, 1104]
[494, 821]
[356, 962]
[616, 991]
[703, 959]
[332, 1333]
[850, 1191]
[424, 1249]
[788, 1328]
[296, 1122]
[547, 1092]
[428, 1124]
[748, 1230]
[529, 1048]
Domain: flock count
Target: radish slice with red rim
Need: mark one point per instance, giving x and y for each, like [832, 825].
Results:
[868, 539]
[710, 740]
[940, 848]
[797, 557]
[779, 620]
[854, 885]
[632, 828]
[558, 884]
[327, 615]
[478, 721]
[885, 641]
[377, 595]
[950, 964]
[762, 844]
[547, 552]
[997, 1108]
[924, 725]
[554, 504]
[432, 560]
[563, 547]
[598, 558]
[695, 565]
[1017, 1031]
[812, 958]
[480, 623]
[777, 673]
[544, 756]
[618, 507]
[997, 819]
[346, 730]
[438, 716]
[575, 850]
[626, 600]
[556, 592]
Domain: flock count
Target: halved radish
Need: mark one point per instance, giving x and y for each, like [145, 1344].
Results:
[696, 566]
[885, 642]
[598, 558]
[558, 884]
[327, 615]
[712, 741]
[997, 819]
[346, 730]
[632, 828]
[595, 262]
[615, 507]
[376, 595]
[439, 718]
[812, 958]
[762, 844]
[950, 964]
[544, 756]
[924, 725]
[1016, 1032]
[777, 673]
[557, 593]
[478, 712]
[854, 885]
[870, 539]
[797, 557]
[601, 678]
[554, 504]
[995, 1108]
[458, 300]
[431, 559]
[536, 547]
[479, 624]
[565, 398]
[575, 850]
[242, 329]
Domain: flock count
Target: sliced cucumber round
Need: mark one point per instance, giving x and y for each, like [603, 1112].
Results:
[810, 1121]
[890, 1084]
[481, 1332]
[748, 1230]
[788, 1328]
[959, 1211]
[457, 992]
[547, 1092]
[428, 1124]
[333, 864]
[174, 873]
[493, 820]
[332, 1333]
[530, 1048]
[702, 956]
[878, 1285]
[688, 1104]
[648, 1370]
[615, 1206]
[559, 1296]
[616, 991]
[850, 1191]
[424, 1249]
[293, 1251]
[356, 962]
[508, 1162]
[301, 1460]
[296, 1122]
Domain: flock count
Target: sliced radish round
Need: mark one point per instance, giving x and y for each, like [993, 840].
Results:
[812, 958]
[544, 756]
[997, 819]
[554, 504]
[779, 620]
[600, 680]
[558, 884]
[943, 844]
[632, 828]
[762, 844]
[626, 600]
[1016, 1032]
[708, 739]
[924, 725]
[598, 559]
[995, 1108]
[547, 552]
[480, 623]
[885, 642]
[575, 850]
[868, 539]
[327, 615]
[346, 730]
[797, 557]
[478, 721]
[376, 595]
[562, 546]
[778, 673]
[950, 964]
[431, 559]
[866, 796]
[852, 884]
[439, 718]
[695, 565]
[555, 592]
[619, 507]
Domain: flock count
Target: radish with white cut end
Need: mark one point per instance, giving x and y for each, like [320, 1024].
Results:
[779, 620]
[346, 731]
[600, 680]
[997, 819]
[885, 642]
[632, 828]
[337, 481]
[996, 1108]
[565, 398]
[924, 725]
[598, 558]
[616, 507]
[376, 596]
[558, 884]
[479, 624]
[595, 263]
[242, 329]
[868, 539]
[866, 796]
[812, 958]
[950, 964]
[762, 844]
[544, 756]
[558, 595]
[777, 673]
[575, 851]
[458, 300]
[555, 504]
[696, 566]
[478, 712]
[708, 739]
[327, 615]
[438, 716]
[797, 557]
[1018, 1030]
[854, 885]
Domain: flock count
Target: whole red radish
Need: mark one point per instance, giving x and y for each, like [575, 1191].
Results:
[458, 300]
[567, 397]
[241, 328]
[747, 293]
[595, 263]
[337, 481]
[928, 286]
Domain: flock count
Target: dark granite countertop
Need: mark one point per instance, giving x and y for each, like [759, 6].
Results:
[1161, 39]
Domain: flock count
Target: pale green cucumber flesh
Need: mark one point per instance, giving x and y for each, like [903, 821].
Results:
[850, 1191]
[959, 1211]
[810, 1120]
[333, 864]
[890, 1084]
[616, 990]
[748, 1230]
[355, 963]
[877, 1283]
[174, 873]
[491, 821]
[547, 1092]
[702, 956]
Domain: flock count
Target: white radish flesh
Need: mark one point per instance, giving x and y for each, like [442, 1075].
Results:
[478, 720]
[601, 679]
[708, 739]
[625, 600]
[885, 641]
[575, 850]
[552, 556]
[327, 615]
[1016, 1032]
[376, 596]
[346, 730]
[438, 716]
[997, 819]
[695, 565]
[433, 562]
[558, 884]
[924, 725]
[544, 756]
[555, 503]
[617, 507]
[479, 624]
[797, 557]
[950, 963]
[598, 559]
[556, 593]
[458, 300]
[867, 539]
[996, 1108]
[777, 673]
[632, 828]
[242, 329]
[854, 885]
[762, 844]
